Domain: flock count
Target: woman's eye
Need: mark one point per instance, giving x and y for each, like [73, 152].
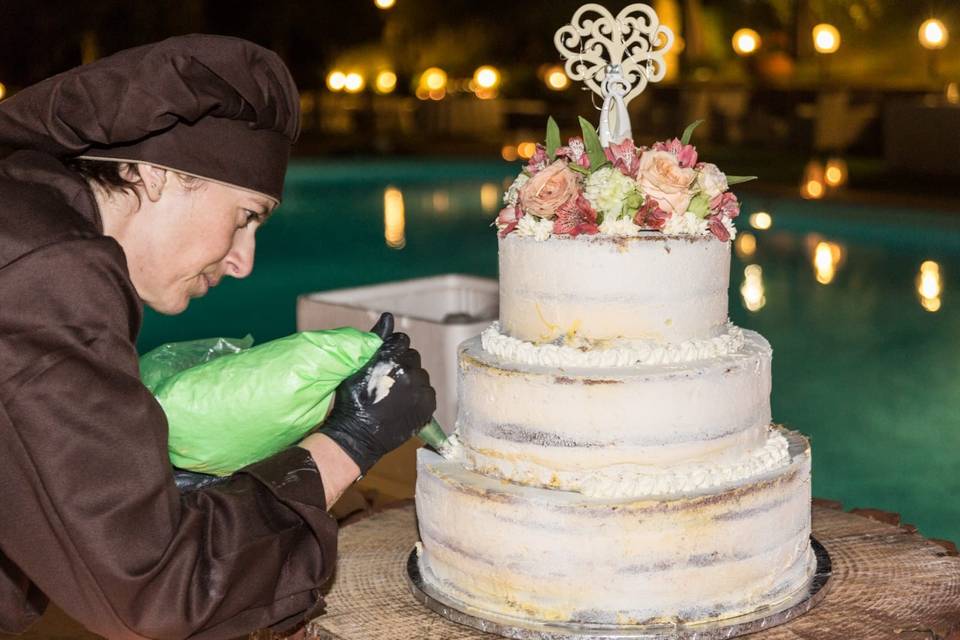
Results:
[251, 217]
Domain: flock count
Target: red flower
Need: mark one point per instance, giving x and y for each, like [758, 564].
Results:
[624, 156]
[576, 216]
[651, 215]
[717, 228]
[725, 204]
[686, 153]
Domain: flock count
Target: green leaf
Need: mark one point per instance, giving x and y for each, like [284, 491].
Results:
[732, 180]
[575, 167]
[699, 205]
[688, 132]
[592, 143]
[553, 138]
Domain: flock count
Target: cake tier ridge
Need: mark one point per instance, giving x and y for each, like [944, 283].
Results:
[554, 555]
[634, 480]
[599, 288]
[613, 353]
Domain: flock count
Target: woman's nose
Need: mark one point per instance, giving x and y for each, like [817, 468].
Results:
[240, 259]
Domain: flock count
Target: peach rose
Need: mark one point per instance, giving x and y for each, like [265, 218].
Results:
[543, 193]
[662, 178]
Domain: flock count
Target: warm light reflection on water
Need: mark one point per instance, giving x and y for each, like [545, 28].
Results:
[441, 201]
[489, 196]
[752, 288]
[394, 218]
[826, 259]
[745, 245]
[929, 285]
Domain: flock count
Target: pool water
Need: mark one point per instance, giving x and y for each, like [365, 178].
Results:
[866, 360]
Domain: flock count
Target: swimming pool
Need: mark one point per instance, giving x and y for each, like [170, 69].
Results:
[856, 302]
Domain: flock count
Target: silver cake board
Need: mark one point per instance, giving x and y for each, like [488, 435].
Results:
[521, 629]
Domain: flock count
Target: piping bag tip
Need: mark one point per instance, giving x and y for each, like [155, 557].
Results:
[435, 437]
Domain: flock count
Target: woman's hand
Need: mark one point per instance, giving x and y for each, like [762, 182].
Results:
[368, 423]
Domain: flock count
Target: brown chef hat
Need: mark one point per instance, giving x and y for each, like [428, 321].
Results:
[215, 107]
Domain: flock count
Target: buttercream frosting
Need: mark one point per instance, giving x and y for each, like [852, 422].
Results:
[623, 353]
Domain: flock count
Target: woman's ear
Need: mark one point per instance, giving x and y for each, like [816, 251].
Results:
[152, 179]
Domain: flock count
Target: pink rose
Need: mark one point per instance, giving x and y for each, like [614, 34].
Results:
[651, 215]
[576, 216]
[686, 153]
[623, 156]
[543, 193]
[662, 178]
[710, 179]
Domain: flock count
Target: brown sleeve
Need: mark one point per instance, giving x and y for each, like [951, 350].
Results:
[90, 513]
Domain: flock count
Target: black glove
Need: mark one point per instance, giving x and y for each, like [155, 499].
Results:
[188, 481]
[368, 430]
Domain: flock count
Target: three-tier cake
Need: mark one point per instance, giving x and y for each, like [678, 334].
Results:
[616, 462]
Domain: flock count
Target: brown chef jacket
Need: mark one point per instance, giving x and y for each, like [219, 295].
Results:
[89, 514]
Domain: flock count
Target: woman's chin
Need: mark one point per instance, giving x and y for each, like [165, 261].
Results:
[170, 307]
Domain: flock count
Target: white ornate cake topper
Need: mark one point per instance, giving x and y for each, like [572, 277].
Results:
[615, 58]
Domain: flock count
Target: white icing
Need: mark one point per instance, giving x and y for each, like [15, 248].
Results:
[380, 383]
[635, 481]
[627, 354]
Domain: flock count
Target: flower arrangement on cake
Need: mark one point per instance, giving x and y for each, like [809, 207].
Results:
[618, 190]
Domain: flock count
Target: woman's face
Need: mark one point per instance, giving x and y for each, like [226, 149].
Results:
[187, 236]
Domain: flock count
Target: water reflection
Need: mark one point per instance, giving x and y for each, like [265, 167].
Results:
[752, 288]
[929, 285]
[394, 218]
[826, 259]
[745, 245]
[489, 196]
[441, 201]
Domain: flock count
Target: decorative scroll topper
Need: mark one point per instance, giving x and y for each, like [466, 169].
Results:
[615, 58]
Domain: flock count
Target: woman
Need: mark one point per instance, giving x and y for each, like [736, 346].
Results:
[176, 155]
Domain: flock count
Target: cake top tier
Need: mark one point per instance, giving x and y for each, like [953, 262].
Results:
[584, 188]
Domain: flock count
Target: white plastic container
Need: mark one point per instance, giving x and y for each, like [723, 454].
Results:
[438, 313]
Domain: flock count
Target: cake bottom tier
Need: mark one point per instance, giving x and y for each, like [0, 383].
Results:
[545, 555]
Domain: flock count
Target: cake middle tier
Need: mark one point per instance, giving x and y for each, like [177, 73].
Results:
[594, 430]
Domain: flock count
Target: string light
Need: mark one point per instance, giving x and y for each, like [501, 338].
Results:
[385, 82]
[761, 220]
[336, 80]
[933, 34]
[394, 218]
[826, 38]
[746, 41]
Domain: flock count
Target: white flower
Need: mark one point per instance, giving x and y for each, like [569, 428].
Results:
[537, 228]
[510, 197]
[577, 149]
[711, 180]
[686, 224]
[728, 223]
[621, 227]
[607, 190]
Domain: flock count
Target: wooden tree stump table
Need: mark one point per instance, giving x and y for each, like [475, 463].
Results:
[888, 582]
